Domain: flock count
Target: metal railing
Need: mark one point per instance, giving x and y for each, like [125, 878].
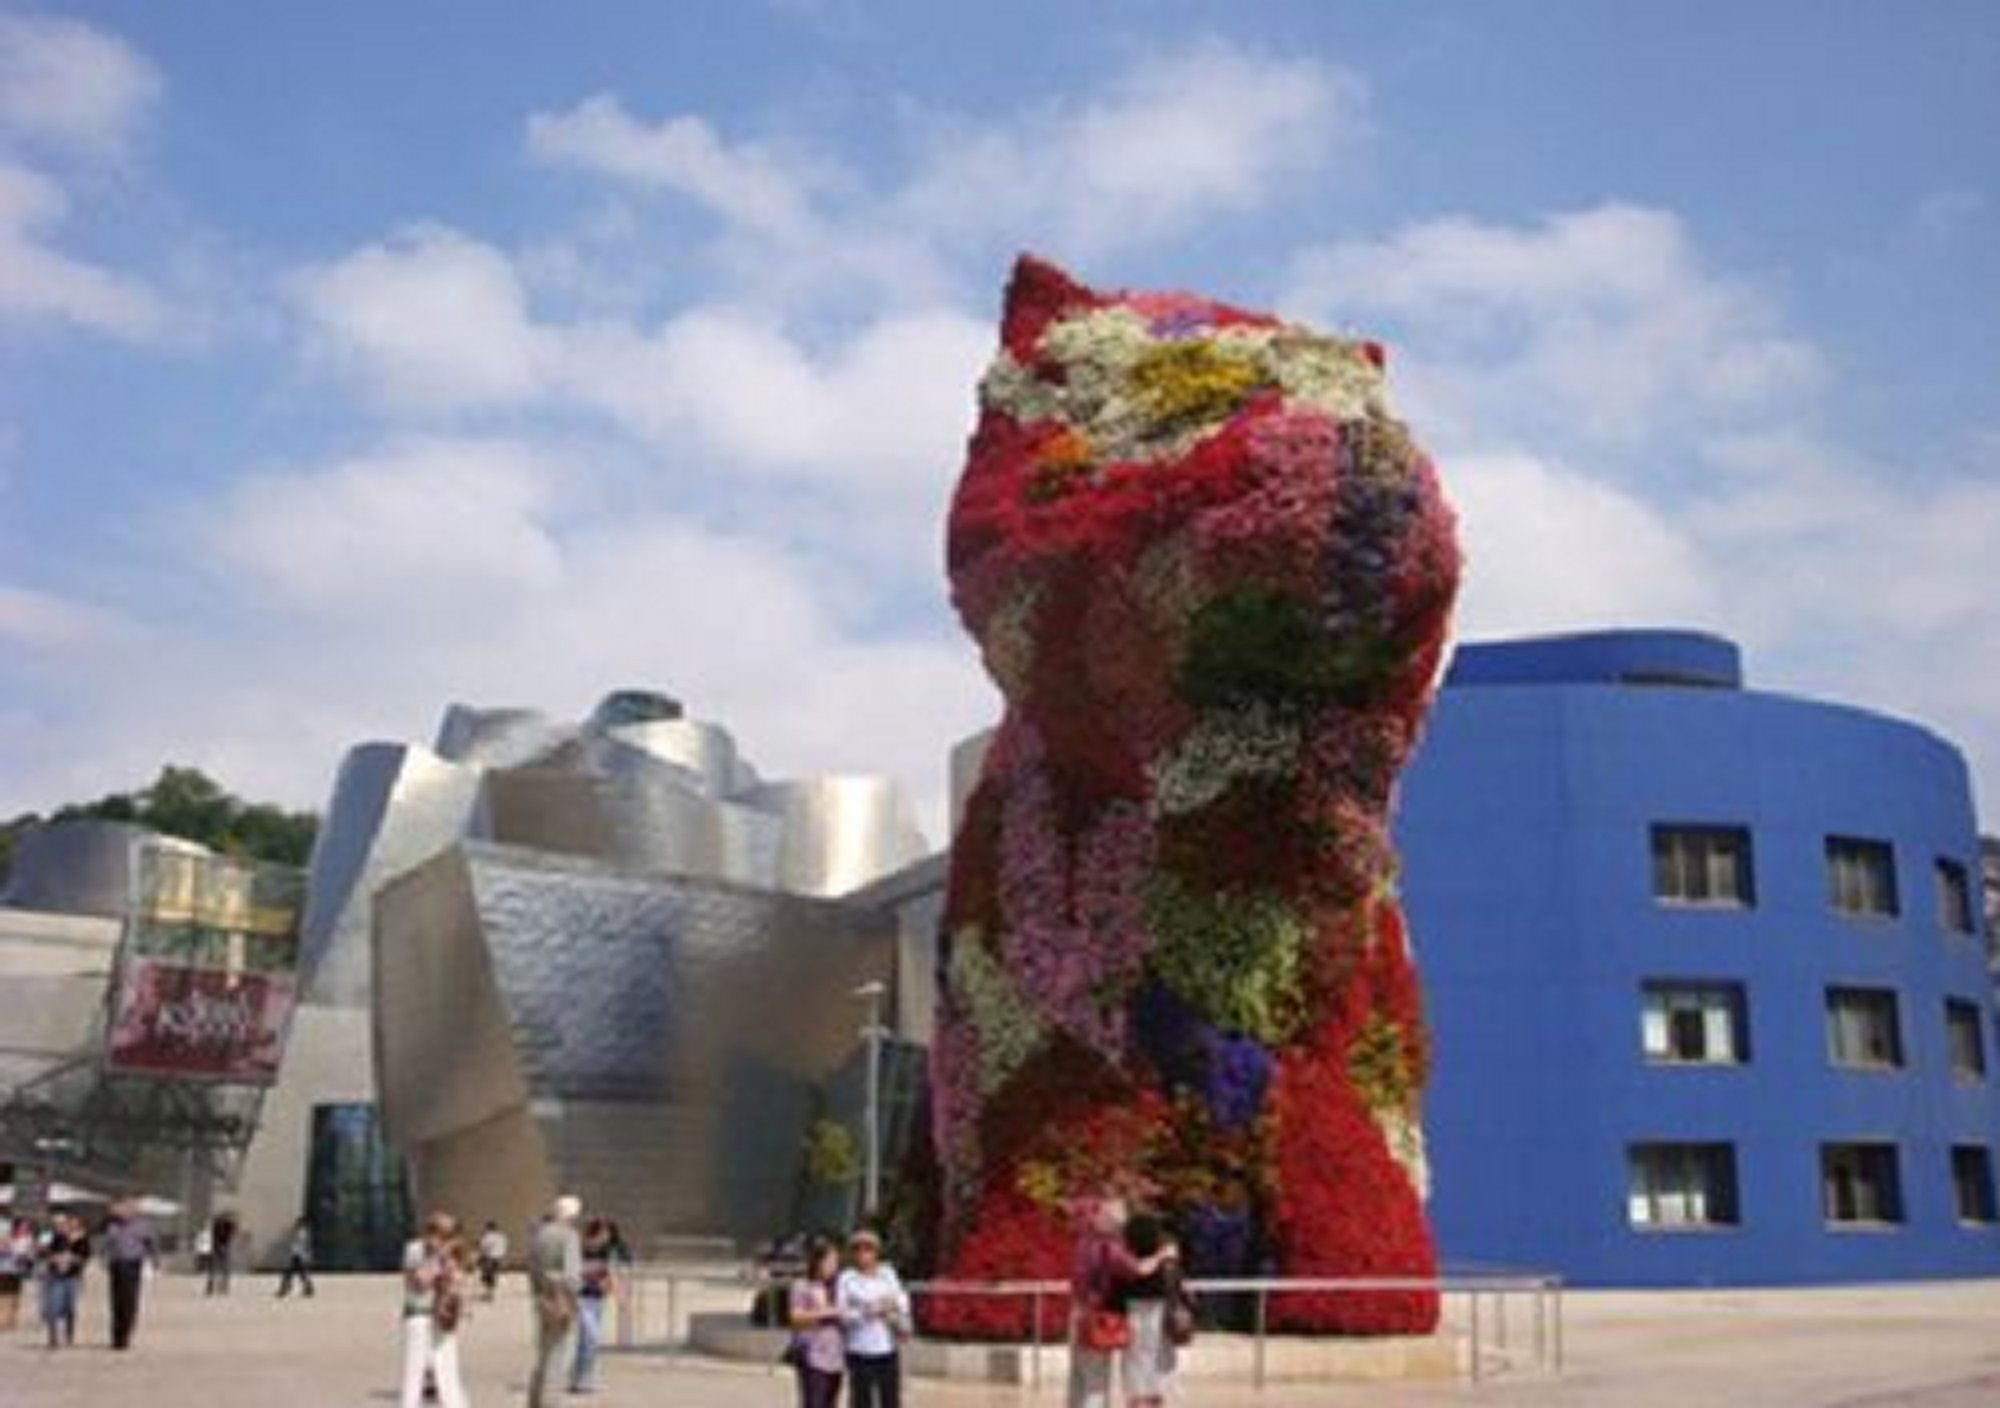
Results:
[1484, 1309]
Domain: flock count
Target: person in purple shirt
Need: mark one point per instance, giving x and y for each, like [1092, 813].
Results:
[129, 1246]
[818, 1352]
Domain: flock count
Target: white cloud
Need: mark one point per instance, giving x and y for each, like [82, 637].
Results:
[1179, 137]
[428, 319]
[71, 99]
[445, 529]
[1601, 325]
[71, 86]
[435, 325]
[889, 404]
[39, 282]
[38, 621]
[1176, 137]
[1550, 549]
[744, 184]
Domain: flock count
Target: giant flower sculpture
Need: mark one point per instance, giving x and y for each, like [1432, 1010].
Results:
[1211, 574]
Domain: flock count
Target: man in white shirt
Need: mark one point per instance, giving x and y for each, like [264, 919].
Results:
[875, 1313]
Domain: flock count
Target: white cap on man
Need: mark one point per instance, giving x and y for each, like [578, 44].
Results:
[568, 1208]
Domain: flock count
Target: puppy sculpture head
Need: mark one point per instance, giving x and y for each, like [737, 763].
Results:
[1172, 507]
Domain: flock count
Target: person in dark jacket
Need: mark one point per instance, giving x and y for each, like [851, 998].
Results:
[298, 1259]
[129, 1247]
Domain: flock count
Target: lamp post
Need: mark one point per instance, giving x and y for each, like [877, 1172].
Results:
[872, 993]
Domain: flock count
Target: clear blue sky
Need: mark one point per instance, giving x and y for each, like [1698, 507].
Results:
[354, 358]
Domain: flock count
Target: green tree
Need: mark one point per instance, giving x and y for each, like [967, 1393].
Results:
[188, 803]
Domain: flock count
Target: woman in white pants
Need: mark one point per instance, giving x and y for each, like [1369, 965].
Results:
[432, 1301]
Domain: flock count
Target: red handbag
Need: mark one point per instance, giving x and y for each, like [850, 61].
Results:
[1105, 1330]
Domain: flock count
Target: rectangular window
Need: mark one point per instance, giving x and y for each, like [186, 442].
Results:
[1862, 1028]
[1861, 877]
[1681, 1185]
[1972, 1176]
[1694, 1023]
[1968, 1044]
[1703, 865]
[1860, 1184]
[1954, 891]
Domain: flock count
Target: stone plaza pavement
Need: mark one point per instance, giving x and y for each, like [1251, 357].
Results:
[1935, 1346]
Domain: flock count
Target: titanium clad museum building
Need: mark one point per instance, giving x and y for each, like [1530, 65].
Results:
[1706, 973]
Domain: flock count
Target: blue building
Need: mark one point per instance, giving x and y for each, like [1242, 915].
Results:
[1705, 972]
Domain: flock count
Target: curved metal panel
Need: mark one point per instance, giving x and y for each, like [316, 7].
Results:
[839, 832]
[704, 750]
[80, 866]
[644, 819]
[393, 807]
[496, 737]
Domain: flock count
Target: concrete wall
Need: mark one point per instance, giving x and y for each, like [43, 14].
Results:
[1525, 834]
[326, 1062]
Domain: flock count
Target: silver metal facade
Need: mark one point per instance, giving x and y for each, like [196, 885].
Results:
[81, 866]
[635, 785]
[655, 1043]
[607, 956]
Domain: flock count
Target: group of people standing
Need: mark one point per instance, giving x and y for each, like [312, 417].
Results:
[56, 1258]
[572, 1267]
[1130, 1311]
[848, 1324]
[1131, 1314]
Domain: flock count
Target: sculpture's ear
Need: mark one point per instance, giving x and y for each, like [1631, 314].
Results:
[1037, 294]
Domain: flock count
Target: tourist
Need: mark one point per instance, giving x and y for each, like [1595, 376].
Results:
[492, 1256]
[17, 1262]
[204, 1249]
[875, 1313]
[592, 1292]
[1099, 1329]
[64, 1254]
[491, 1259]
[433, 1304]
[818, 1351]
[620, 1255]
[555, 1276]
[298, 1259]
[129, 1248]
[222, 1232]
[1143, 1295]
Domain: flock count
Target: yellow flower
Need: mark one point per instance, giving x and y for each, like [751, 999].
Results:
[1193, 383]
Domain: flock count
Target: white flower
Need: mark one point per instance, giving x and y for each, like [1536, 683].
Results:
[1252, 741]
[1006, 1028]
[1100, 353]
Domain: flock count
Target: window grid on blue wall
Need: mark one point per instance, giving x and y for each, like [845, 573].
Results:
[1954, 896]
[1681, 1186]
[1861, 1184]
[1863, 1029]
[1972, 1182]
[1861, 877]
[1685, 1022]
[1966, 1039]
[1703, 865]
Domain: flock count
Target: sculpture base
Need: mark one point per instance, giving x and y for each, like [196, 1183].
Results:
[1215, 1357]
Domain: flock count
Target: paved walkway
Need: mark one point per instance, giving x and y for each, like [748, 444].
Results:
[1923, 1347]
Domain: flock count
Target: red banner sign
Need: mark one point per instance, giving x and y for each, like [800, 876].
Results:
[174, 1020]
